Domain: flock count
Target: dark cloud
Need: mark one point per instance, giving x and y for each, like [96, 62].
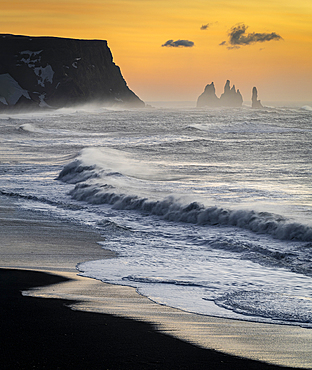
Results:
[238, 36]
[178, 44]
[205, 26]
[233, 47]
[208, 25]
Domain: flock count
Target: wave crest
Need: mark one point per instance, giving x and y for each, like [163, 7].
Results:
[76, 172]
[170, 209]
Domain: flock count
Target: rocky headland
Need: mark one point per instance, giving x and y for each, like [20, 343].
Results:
[229, 98]
[52, 72]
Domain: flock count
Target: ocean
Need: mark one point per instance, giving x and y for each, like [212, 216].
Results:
[207, 210]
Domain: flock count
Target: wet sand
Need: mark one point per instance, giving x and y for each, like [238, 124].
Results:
[45, 334]
[118, 328]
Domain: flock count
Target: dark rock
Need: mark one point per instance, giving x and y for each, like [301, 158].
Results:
[255, 103]
[230, 97]
[57, 72]
[208, 98]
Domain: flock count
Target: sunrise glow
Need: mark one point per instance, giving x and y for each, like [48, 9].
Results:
[169, 50]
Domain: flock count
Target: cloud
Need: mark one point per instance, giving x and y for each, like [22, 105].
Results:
[238, 37]
[178, 43]
[205, 26]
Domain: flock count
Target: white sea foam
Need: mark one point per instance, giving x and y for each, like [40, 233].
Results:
[202, 281]
[207, 210]
[29, 127]
[111, 168]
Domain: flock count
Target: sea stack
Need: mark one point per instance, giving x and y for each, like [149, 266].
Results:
[52, 72]
[229, 98]
[208, 98]
[255, 103]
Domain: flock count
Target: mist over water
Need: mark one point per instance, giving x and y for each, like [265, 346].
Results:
[208, 210]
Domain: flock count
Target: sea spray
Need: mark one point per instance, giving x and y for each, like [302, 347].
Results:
[206, 210]
[172, 210]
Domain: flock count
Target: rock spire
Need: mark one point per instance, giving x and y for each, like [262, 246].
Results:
[255, 103]
[229, 98]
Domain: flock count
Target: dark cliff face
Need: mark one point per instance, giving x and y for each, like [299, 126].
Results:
[229, 98]
[57, 72]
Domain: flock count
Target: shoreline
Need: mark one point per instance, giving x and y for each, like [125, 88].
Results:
[32, 243]
[280, 345]
[45, 333]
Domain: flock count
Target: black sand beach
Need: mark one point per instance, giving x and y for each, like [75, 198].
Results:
[45, 334]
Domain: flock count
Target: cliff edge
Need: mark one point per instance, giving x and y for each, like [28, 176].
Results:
[52, 72]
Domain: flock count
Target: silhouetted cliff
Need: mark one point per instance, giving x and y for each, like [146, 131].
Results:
[229, 98]
[57, 72]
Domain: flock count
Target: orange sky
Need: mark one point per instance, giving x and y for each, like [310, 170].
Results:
[274, 53]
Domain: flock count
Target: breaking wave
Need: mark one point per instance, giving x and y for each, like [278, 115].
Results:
[28, 127]
[172, 209]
